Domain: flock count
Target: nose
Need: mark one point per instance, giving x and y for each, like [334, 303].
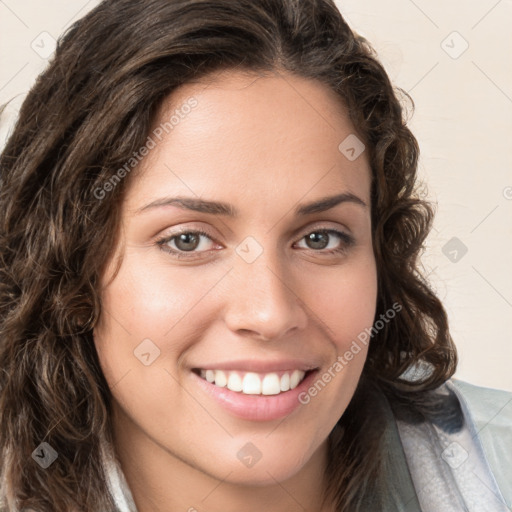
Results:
[264, 300]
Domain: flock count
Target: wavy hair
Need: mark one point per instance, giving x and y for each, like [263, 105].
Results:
[84, 117]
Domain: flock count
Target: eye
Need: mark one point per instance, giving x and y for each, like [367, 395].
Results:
[184, 242]
[321, 239]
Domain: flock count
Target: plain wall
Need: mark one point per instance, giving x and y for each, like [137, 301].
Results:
[453, 58]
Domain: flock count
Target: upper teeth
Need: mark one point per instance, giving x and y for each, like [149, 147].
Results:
[251, 383]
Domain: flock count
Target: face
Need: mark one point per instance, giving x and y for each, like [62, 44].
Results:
[245, 282]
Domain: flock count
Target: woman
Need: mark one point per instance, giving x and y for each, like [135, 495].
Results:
[210, 294]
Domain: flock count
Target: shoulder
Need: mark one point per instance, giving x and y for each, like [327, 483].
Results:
[490, 408]
[490, 412]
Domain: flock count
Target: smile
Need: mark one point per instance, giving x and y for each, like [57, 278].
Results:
[252, 383]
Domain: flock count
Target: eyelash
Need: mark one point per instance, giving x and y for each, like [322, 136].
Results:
[347, 239]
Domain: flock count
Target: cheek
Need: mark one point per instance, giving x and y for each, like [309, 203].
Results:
[148, 309]
[344, 300]
[149, 298]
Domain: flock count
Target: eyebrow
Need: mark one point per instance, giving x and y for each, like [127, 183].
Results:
[220, 208]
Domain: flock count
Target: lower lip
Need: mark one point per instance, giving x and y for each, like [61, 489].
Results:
[256, 407]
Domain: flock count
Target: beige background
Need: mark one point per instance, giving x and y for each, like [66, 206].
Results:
[453, 58]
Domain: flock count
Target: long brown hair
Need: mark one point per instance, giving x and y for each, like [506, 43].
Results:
[86, 115]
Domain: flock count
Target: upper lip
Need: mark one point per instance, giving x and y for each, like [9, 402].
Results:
[259, 366]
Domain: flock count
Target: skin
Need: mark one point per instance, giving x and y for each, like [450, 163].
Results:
[264, 144]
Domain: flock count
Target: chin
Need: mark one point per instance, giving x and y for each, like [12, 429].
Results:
[262, 466]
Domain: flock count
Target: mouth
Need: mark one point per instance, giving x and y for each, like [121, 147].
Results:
[254, 395]
[253, 383]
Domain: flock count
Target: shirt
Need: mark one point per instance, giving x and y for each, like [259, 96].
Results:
[432, 465]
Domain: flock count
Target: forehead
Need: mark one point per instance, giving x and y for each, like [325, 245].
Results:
[251, 134]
